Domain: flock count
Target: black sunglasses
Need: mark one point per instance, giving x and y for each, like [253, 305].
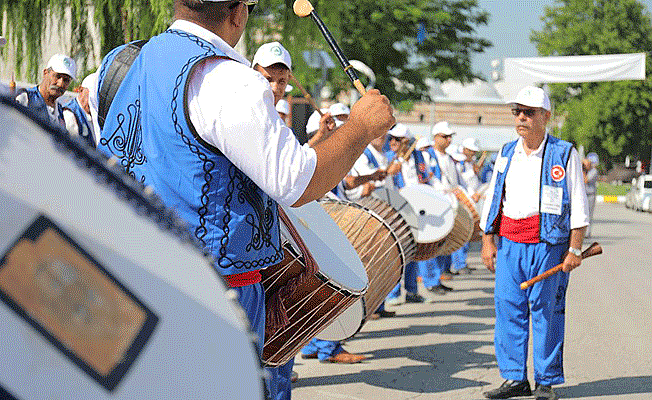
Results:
[251, 5]
[398, 139]
[529, 112]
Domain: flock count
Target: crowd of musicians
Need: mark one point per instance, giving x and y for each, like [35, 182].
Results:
[206, 128]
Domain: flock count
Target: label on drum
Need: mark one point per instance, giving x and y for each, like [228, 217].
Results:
[83, 311]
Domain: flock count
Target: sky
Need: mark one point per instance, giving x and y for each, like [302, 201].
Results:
[509, 27]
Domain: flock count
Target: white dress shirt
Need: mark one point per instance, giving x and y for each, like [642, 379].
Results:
[363, 167]
[522, 186]
[53, 112]
[232, 108]
[467, 174]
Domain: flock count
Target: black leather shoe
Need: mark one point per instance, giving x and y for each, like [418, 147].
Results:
[510, 389]
[543, 392]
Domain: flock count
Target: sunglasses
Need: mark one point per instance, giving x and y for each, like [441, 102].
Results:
[251, 5]
[529, 112]
[398, 139]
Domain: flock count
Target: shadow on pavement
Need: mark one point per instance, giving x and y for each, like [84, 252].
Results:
[608, 387]
[479, 313]
[448, 329]
[444, 360]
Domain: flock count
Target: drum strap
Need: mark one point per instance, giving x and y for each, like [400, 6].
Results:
[114, 76]
[276, 316]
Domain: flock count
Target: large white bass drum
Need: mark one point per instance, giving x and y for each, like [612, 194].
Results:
[103, 292]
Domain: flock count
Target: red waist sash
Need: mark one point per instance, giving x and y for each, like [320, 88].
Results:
[243, 279]
[524, 230]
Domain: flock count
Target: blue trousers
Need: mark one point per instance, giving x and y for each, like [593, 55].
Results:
[544, 302]
[252, 300]
[431, 270]
[409, 278]
[458, 258]
[281, 377]
[325, 349]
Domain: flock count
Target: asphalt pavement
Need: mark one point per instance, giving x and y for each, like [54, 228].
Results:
[443, 349]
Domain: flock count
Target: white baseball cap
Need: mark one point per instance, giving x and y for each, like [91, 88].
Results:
[532, 96]
[472, 144]
[339, 109]
[63, 64]
[399, 130]
[272, 53]
[442, 127]
[455, 153]
[283, 106]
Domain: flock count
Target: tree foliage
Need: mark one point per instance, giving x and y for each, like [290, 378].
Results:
[611, 118]
[382, 34]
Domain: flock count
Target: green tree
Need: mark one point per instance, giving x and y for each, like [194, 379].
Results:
[611, 118]
[383, 35]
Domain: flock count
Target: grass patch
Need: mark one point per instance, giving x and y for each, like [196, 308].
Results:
[607, 189]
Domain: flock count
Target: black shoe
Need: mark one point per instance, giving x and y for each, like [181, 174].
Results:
[466, 270]
[386, 314]
[414, 298]
[446, 288]
[510, 389]
[437, 290]
[543, 392]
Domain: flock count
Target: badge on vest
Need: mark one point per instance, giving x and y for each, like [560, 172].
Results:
[551, 198]
[557, 173]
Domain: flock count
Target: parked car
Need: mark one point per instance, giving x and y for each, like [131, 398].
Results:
[639, 196]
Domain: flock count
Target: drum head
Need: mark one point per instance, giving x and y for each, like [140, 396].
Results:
[346, 324]
[400, 204]
[97, 297]
[332, 251]
[435, 211]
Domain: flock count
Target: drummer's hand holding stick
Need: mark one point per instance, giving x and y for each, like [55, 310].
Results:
[478, 165]
[326, 127]
[592, 250]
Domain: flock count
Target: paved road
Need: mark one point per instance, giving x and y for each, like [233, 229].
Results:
[444, 349]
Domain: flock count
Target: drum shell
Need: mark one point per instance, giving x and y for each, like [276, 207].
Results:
[460, 234]
[464, 199]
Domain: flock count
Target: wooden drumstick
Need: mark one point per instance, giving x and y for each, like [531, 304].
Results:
[593, 250]
[306, 94]
[303, 8]
[481, 160]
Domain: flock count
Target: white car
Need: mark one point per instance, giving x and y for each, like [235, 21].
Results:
[639, 196]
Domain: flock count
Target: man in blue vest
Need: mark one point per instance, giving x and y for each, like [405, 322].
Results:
[194, 121]
[42, 99]
[534, 218]
[77, 113]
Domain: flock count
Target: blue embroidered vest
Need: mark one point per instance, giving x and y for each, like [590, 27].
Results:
[85, 127]
[553, 229]
[148, 129]
[436, 169]
[419, 164]
[36, 104]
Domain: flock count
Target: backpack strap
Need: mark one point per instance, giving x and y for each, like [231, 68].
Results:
[114, 76]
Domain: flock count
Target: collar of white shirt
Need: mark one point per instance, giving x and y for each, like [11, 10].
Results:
[538, 152]
[210, 37]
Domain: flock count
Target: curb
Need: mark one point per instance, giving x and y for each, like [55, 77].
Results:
[609, 199]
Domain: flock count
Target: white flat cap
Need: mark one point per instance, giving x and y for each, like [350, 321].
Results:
[422, 142]
[532, 96]
[270, 54]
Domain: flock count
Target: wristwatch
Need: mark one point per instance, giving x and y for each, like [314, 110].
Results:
[575, 251]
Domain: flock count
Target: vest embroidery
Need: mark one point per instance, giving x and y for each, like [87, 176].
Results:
[126, 140]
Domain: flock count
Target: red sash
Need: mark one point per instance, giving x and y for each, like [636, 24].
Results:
[524, 230]
[243, 279]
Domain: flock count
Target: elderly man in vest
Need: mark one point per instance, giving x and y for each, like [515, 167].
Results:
[77, 113]
[534, 218]
[203, 131]
[42, 99]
